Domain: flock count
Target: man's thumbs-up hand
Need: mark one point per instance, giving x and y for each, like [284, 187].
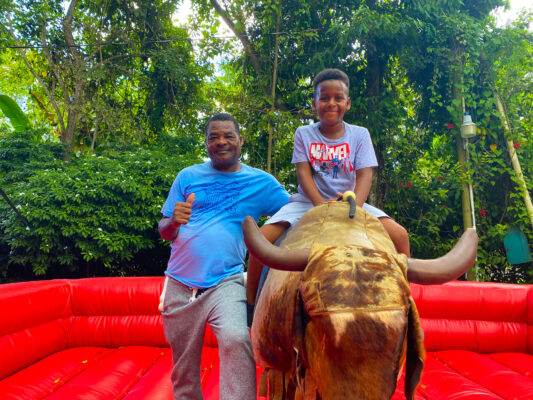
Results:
[182, 211]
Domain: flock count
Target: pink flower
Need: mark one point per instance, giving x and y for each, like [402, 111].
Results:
[400, 184]
[440, 178]
[409, 184]
[450, 126]
[517, 144]
[482, 212]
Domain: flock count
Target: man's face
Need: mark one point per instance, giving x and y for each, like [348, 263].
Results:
[223, 144]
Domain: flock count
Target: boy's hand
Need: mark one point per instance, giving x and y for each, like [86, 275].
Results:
[182, 211]
[339, 194]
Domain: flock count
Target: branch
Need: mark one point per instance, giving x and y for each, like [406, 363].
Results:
[242, 37]
[67, 30]
[48, 57]
[78, 60]
[38, 79]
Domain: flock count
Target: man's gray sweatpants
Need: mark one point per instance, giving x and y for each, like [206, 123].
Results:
[184, 318]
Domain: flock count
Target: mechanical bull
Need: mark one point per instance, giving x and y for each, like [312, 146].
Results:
[335, 319]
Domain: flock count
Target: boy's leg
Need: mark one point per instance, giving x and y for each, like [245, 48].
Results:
[184, 326]
[398, 235]
[238, 380]
[272, 232]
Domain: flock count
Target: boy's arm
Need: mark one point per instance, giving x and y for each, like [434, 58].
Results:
[363, 183]
[305, 178]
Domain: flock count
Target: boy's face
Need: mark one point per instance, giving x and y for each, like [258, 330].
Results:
[331, 102]
[223, 144]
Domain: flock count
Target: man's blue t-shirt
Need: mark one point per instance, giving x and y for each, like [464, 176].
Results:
[210, 247]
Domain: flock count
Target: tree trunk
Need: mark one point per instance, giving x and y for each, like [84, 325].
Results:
[74, 102]
[375, 71]
[273, 93]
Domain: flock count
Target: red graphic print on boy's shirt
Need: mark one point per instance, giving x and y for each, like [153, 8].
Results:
[336, 156]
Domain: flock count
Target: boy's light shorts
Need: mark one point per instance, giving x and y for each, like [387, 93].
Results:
[293, 211]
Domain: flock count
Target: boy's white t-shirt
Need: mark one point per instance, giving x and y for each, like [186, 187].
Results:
[333, 162]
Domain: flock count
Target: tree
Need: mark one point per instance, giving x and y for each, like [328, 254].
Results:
[411, 65]
[130, 75]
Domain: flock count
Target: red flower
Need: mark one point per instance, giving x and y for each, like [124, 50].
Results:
[482, 212]
[450, 126]
[409, 184]
[517, 144]
[401, 184]
[440, 178]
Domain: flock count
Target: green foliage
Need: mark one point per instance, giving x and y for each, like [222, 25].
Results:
[22, 155]
[95, 214]
[133, 77]
[411, 64]
[16, 116]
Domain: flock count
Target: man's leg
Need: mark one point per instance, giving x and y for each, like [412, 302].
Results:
[398, 235]
[272, 232]
[184, 325]
[238, 378]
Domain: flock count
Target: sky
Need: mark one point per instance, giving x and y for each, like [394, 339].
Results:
[517, 6]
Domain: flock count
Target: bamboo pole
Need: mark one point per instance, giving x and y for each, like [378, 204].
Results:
[514, 158]
[467, 201]
[461, 157]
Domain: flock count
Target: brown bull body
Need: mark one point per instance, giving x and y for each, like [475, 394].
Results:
[341, 328]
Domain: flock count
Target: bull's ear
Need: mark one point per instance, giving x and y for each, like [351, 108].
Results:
[415, 352]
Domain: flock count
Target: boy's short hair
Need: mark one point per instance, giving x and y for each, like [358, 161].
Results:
[223, 117]
[331, 74]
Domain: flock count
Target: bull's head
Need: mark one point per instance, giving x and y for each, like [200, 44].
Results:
[343, 325]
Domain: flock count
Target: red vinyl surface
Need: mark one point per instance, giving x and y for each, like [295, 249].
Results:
[102, 338]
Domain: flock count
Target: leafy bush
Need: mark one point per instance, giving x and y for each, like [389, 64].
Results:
[427, 202]
[22, 154]
[91, 215]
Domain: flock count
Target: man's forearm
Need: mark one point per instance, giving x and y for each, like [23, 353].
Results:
[168, 229]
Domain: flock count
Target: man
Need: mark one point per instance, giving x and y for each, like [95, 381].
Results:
[204, 280]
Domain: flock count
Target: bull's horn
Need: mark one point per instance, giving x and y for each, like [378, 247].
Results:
[270, 255]
[448, 267]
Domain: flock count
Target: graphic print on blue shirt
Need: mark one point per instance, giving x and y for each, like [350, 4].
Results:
[218, 196]
[210, 246]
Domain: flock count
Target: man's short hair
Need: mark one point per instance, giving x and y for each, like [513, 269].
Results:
[223, 117]
[331, 74]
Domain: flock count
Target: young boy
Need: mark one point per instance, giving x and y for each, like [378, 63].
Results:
[331, 157]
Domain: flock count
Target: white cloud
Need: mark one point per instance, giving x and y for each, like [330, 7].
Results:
[505, 17]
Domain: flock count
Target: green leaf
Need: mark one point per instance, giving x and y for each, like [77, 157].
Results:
[16, 116]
